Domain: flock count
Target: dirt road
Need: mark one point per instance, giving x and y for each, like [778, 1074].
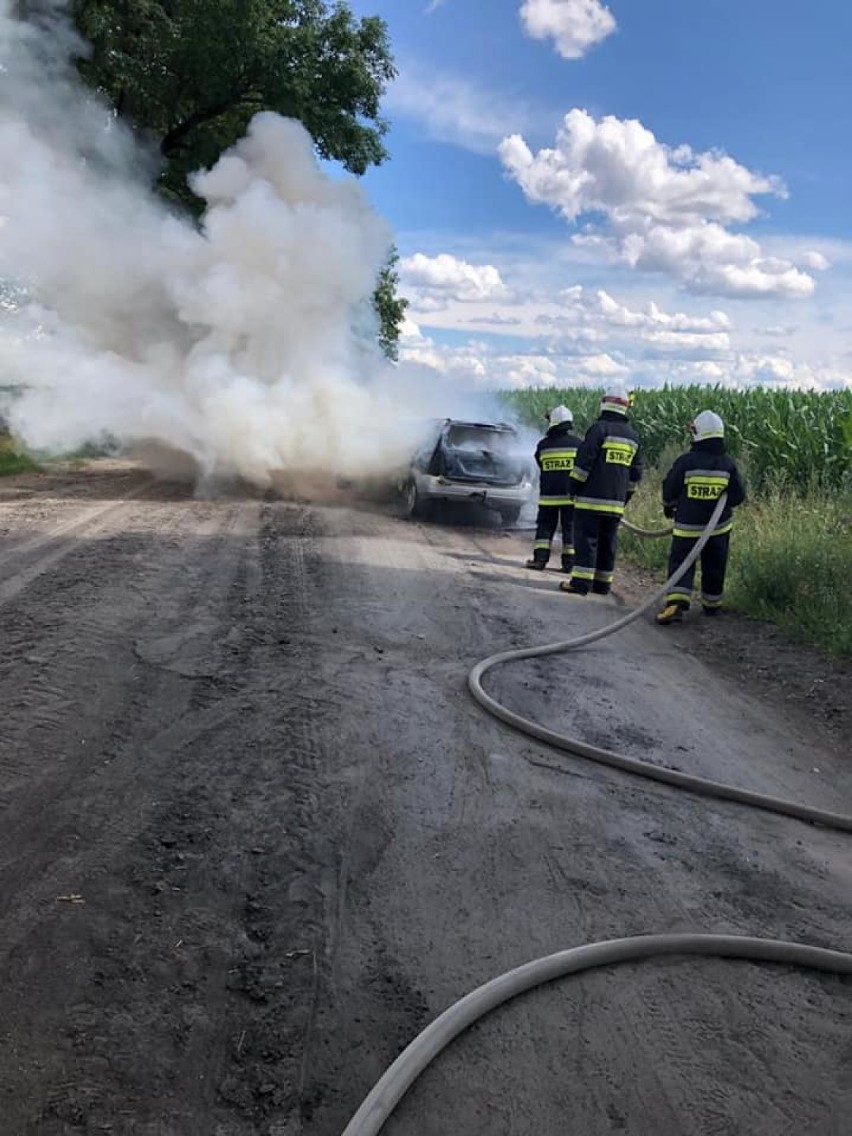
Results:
[254, 835]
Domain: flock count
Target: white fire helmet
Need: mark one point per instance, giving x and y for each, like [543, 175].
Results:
[617, 399]
[707, 425]
[560, 414]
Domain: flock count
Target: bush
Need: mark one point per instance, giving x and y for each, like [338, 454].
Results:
[12, 460]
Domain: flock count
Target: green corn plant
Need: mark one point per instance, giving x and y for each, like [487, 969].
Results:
[791, 440]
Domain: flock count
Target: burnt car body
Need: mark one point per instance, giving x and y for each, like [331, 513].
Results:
[475, 463]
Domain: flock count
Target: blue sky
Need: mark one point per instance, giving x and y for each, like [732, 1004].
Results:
[650, 192]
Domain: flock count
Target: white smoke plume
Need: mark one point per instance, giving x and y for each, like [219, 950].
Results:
[247, 343]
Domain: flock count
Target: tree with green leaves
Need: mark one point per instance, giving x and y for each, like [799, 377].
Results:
[190, 75]
[390, 307]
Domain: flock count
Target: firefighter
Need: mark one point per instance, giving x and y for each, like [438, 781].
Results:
[607, 469]
[691, 489]
[555, 456]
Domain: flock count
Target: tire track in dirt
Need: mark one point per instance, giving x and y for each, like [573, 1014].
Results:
[51, 676]
[382, 591]
[128, 751]
[36, 734]
[223, 880]
[249, 1057]
[271, 855]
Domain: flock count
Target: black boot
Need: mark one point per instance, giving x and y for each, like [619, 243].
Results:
[574, 588]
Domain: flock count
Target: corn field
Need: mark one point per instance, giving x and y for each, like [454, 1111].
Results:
[797, 440]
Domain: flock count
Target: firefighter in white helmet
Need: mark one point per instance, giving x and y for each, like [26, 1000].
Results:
[555, 456]
[691, 490]
[605, 475]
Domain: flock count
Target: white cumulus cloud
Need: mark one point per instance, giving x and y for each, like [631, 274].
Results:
[575, 26]
[816, 261]
[666, 210]
[431, 282]
[484, 365]
[601, 307]
[583, 316]
[601, 366]
[410, 333]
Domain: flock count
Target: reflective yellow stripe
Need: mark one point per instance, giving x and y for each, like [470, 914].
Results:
[584, 573]
[695, 533]
[579, 474]
[714, 481]
[542, 544]
[604, 577]
[550, 502]
[615, 510]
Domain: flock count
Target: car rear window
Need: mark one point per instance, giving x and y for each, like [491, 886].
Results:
[478, 438]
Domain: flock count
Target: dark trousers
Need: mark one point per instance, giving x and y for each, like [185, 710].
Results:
[549, 519]
[595, 548]
[714, 563]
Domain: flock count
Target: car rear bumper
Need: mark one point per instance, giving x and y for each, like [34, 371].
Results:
[497, 496]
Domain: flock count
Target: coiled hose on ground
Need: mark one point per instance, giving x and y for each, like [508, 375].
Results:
[401, 1075]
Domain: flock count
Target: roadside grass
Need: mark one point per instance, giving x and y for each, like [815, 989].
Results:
[15, 460]
[790, 563]
[12, 460]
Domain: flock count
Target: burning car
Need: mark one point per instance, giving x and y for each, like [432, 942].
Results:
[476, 463]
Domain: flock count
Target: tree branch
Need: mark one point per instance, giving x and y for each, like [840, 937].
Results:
[173, 141]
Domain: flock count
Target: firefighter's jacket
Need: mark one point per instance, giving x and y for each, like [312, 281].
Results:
[608, 465]
[695, 483]
[555, 455]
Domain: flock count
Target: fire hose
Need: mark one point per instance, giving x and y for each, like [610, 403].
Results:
[401, 1075]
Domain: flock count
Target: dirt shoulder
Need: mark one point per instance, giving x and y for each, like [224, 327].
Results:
[793, 677]
[68, 481]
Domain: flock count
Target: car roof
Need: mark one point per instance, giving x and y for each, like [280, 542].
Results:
[503, 427]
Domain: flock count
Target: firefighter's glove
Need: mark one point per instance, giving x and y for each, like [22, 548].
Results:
[669, 511]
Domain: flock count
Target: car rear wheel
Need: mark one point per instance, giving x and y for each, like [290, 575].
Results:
[414, 504]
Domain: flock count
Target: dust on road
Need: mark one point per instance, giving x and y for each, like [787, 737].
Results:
[254, 835]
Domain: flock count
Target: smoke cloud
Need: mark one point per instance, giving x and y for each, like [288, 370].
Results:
[247, 342]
